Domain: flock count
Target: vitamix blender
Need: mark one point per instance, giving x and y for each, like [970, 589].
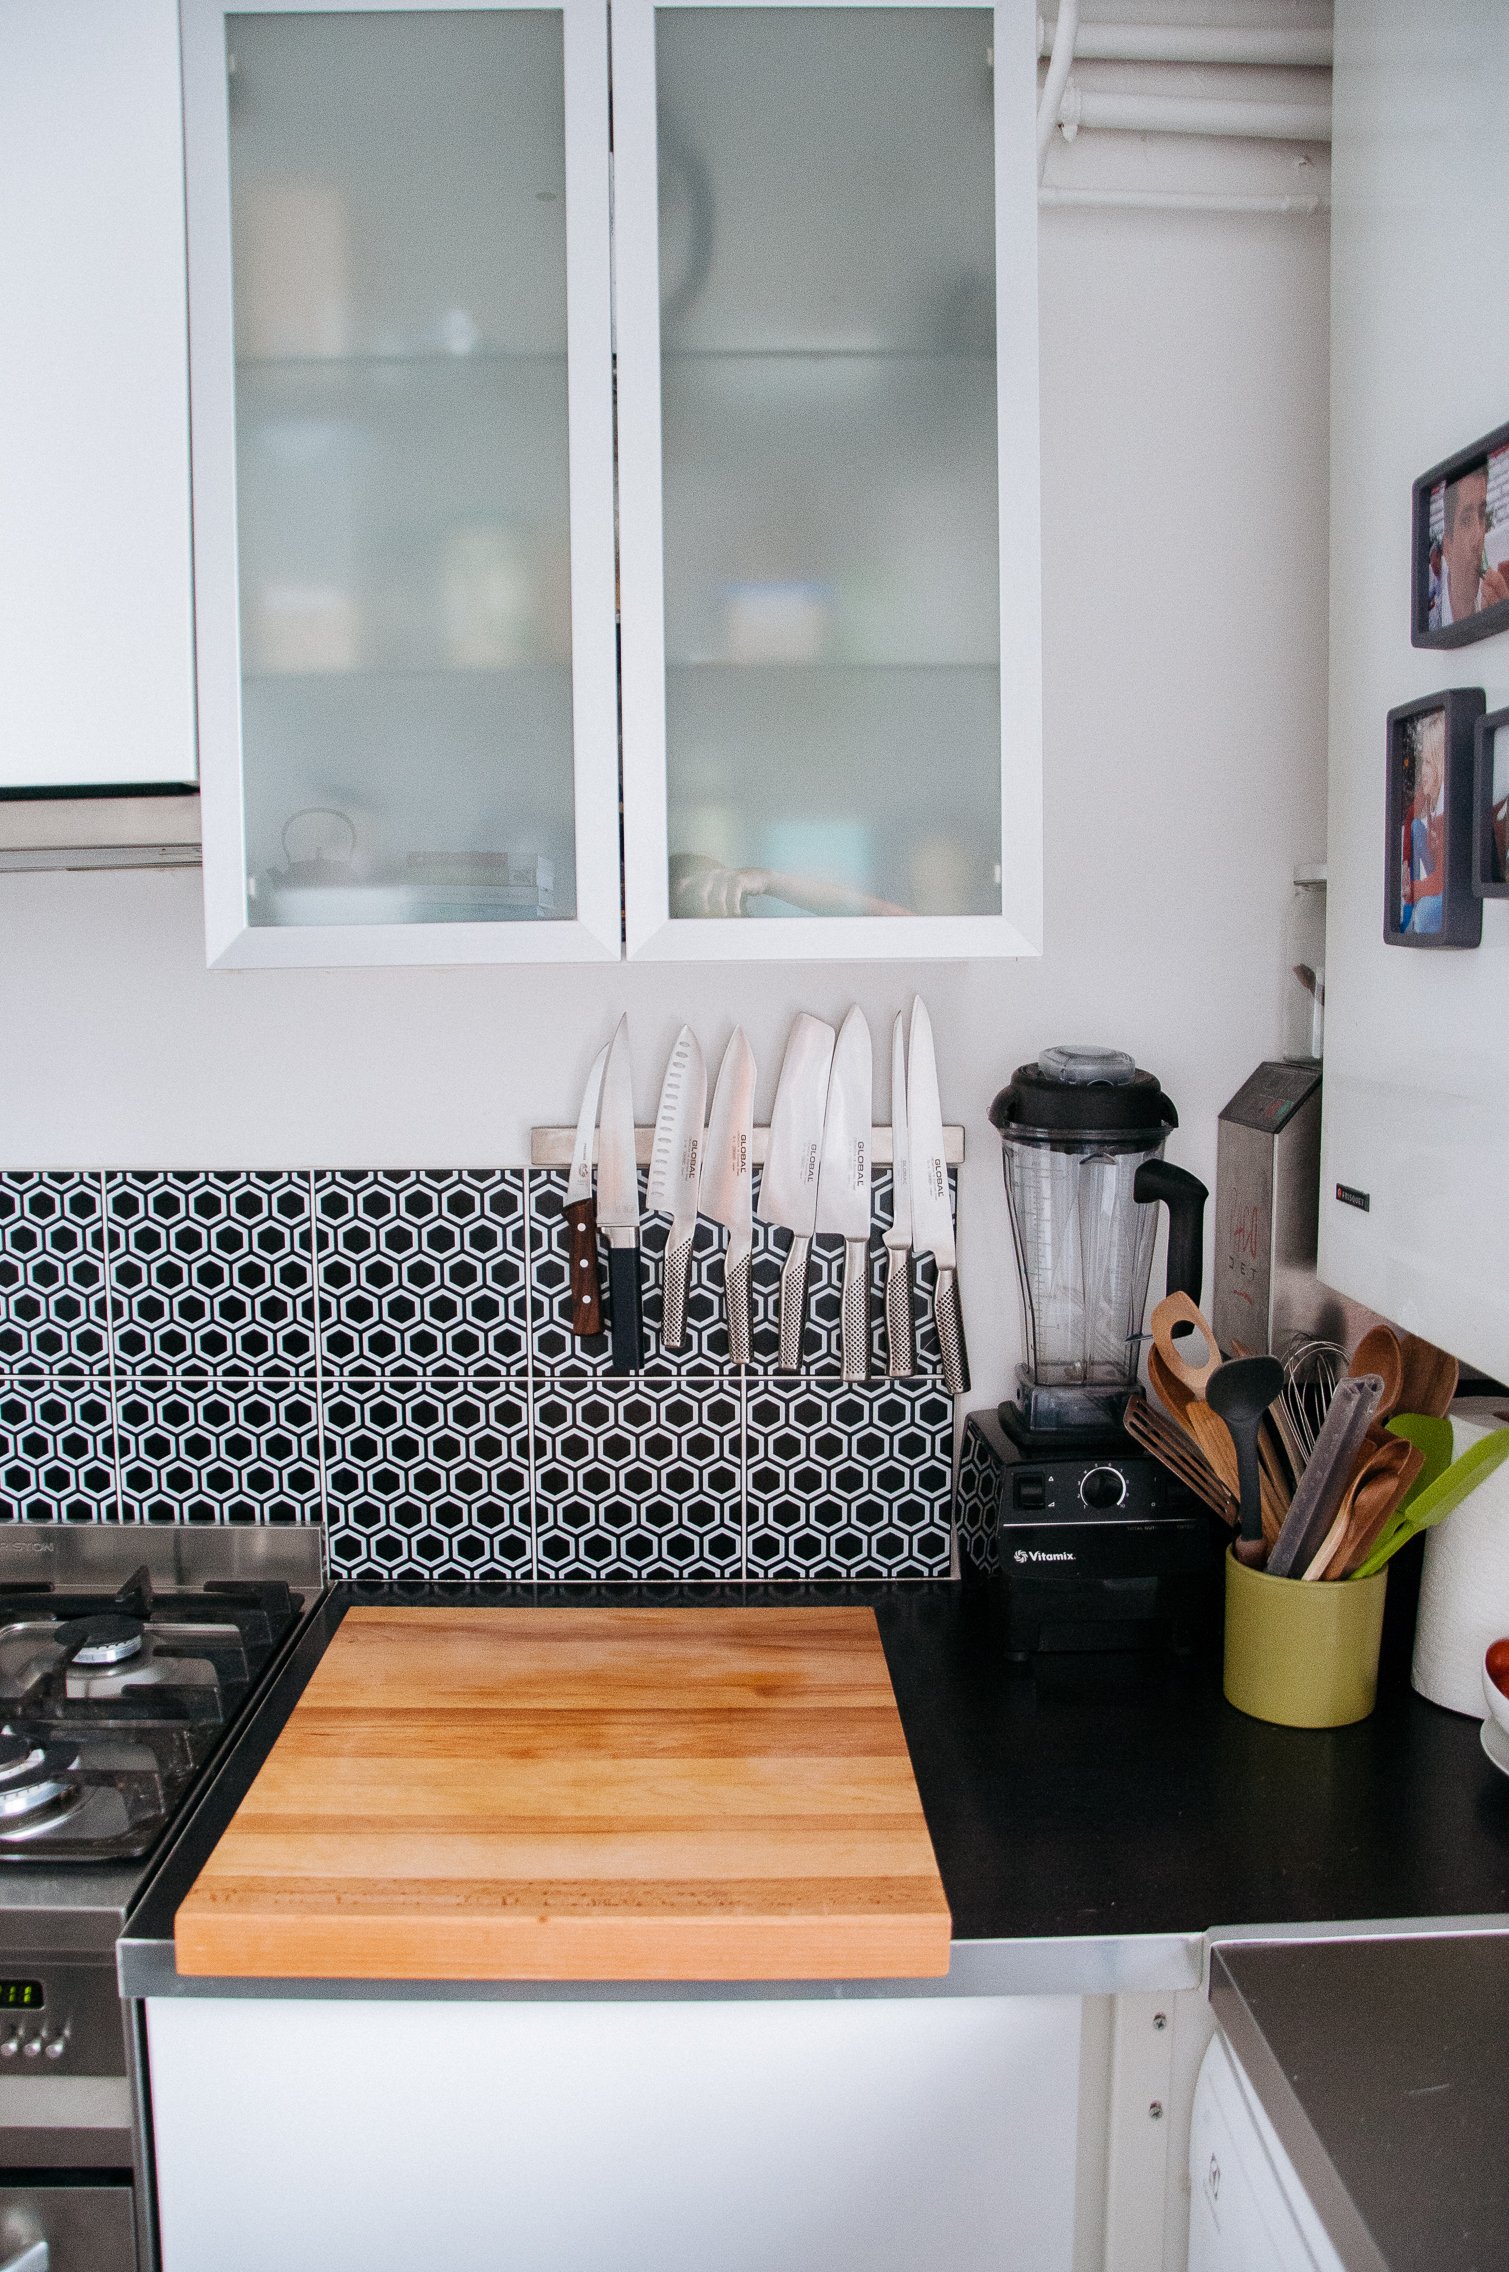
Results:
[1093, 1545]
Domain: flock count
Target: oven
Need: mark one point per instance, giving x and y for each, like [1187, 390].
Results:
[68, 2146]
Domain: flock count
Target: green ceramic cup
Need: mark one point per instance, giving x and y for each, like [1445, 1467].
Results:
[1302, 1655]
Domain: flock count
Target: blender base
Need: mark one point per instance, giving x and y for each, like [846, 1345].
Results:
[1085, 1542]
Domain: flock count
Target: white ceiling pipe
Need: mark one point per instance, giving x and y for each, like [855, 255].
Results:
[1050, 101]
[1270, 47]
[1177, 114]
[1184, 201]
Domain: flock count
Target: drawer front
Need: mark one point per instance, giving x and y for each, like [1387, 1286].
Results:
[87, 2228]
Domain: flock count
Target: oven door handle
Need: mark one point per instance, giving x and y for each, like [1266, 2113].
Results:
[35, 2257]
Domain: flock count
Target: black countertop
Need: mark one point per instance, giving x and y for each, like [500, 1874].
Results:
[1381, 2066]
[1089, 1817]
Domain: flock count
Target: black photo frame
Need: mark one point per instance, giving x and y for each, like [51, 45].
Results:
[1490, 807]
[1430, 595]
[1453, 915]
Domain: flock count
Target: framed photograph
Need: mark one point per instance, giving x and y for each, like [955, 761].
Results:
[1490, 807]
[1460, 547]
[1428, 896]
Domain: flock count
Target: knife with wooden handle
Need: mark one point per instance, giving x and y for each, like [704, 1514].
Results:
[580, 1210]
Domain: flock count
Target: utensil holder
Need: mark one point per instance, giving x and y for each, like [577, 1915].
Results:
[1303, 1655]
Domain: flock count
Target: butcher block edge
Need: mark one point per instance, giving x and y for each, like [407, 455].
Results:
[701, 1793]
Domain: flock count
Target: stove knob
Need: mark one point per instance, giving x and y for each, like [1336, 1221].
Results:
[10, 2046]
[1103, 1488]
[56, 2048]
[32, 2047]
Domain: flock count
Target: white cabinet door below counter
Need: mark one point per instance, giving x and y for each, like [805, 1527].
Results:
[878, 2134]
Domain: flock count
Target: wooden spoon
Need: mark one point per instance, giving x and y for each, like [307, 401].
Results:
[1375, 1507]
[1430, 1378]
[1380, 1469]
[1172, 1394]
[1380, 1351]
[1178, 1309]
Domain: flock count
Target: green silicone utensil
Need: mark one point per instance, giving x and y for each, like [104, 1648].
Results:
[1430, 1506]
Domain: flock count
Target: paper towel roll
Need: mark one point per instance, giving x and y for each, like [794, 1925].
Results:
[1464, 1589]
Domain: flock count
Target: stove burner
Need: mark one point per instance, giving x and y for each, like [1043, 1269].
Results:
[38, 1782]
[100, 1640]
[16, 1754]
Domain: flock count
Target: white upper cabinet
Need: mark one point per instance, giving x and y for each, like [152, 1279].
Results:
[403, 481]
[412, 670]
[96, 617]
[826, 298]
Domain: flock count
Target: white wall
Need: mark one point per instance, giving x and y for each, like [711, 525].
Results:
[1417, 1074]
[1184, 394]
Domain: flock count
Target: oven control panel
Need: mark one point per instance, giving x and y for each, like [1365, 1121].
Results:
[61, 2019]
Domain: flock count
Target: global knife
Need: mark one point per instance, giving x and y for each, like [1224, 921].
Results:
[675, 1163]
[581, 1214]
[788, 1188]
[843, 1184]
[932, 1216]
[900, 1342]
[618, 1204]
[726, 1182]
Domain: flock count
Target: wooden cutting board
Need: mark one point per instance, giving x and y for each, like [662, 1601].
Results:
[581, 1794]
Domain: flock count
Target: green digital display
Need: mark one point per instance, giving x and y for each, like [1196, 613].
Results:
[22, 1995]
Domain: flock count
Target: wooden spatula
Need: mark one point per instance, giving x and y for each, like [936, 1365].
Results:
[1430, 1378]
[1175, 1310]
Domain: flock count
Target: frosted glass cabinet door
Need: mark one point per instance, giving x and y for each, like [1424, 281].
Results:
[826, 277]
[401, 373]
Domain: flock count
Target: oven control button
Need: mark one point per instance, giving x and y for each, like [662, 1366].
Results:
[10, 2046]
[56, 2048]
[32, 2047]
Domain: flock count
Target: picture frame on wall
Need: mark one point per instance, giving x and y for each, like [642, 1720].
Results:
[1490, 806]
[1428, 894]
[1459, 552]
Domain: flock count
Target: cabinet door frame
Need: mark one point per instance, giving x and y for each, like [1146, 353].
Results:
[595, 934]
[652, 934]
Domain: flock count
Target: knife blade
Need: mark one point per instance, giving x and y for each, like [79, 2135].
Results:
[788, 1187]
[900, 1341]
[932, 1216]
[618, 1203]
[725, 1197]
[675, 1165]
[843, 1183]
[580, 1212]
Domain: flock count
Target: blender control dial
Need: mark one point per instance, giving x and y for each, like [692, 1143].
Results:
[1103, 1488]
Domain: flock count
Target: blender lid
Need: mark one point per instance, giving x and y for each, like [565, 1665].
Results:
[1072, 1091]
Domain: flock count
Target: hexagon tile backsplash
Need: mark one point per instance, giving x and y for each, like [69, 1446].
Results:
[389, 1352]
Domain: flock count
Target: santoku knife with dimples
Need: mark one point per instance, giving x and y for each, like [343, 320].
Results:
[585, 1283]
[788, 1187]
[618, 1203]
[932, 1215]
[726, 1194]
[900, 1340]
[843, 1185]
[675, 1164]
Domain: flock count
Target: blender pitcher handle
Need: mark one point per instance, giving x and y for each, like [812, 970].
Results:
[1184, 1195]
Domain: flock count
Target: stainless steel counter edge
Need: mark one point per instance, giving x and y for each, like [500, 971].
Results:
[1153, 1963]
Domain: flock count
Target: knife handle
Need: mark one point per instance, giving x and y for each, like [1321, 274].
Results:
[793, 1303]
[736, 1299]
[950, 1323]
[855, 1314]
[585, 1283]
[623, 1298]
[900, 1341]
[675, 1278]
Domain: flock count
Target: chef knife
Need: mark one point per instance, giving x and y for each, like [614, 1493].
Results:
[618, 1203]
[581, 1214]
[843, 1183]
[788, 1188]
[900, 1343]
[675, 1162]
[932, 1217]
[726, 1182]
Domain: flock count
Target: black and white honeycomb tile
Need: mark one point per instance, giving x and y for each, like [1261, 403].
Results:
[848, 1479]
[57, 1452]
[210, 1272]
[638, 1479]
[52, 1274]
[235, 1451]
[976, 1502]
[428, 1479]
[556, 1350]
[421, 1271]
[822, 1348]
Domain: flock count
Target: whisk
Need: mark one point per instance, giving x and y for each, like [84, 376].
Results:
[1312, 1368]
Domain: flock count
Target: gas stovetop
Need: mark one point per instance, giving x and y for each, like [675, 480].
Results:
[111, 1702]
